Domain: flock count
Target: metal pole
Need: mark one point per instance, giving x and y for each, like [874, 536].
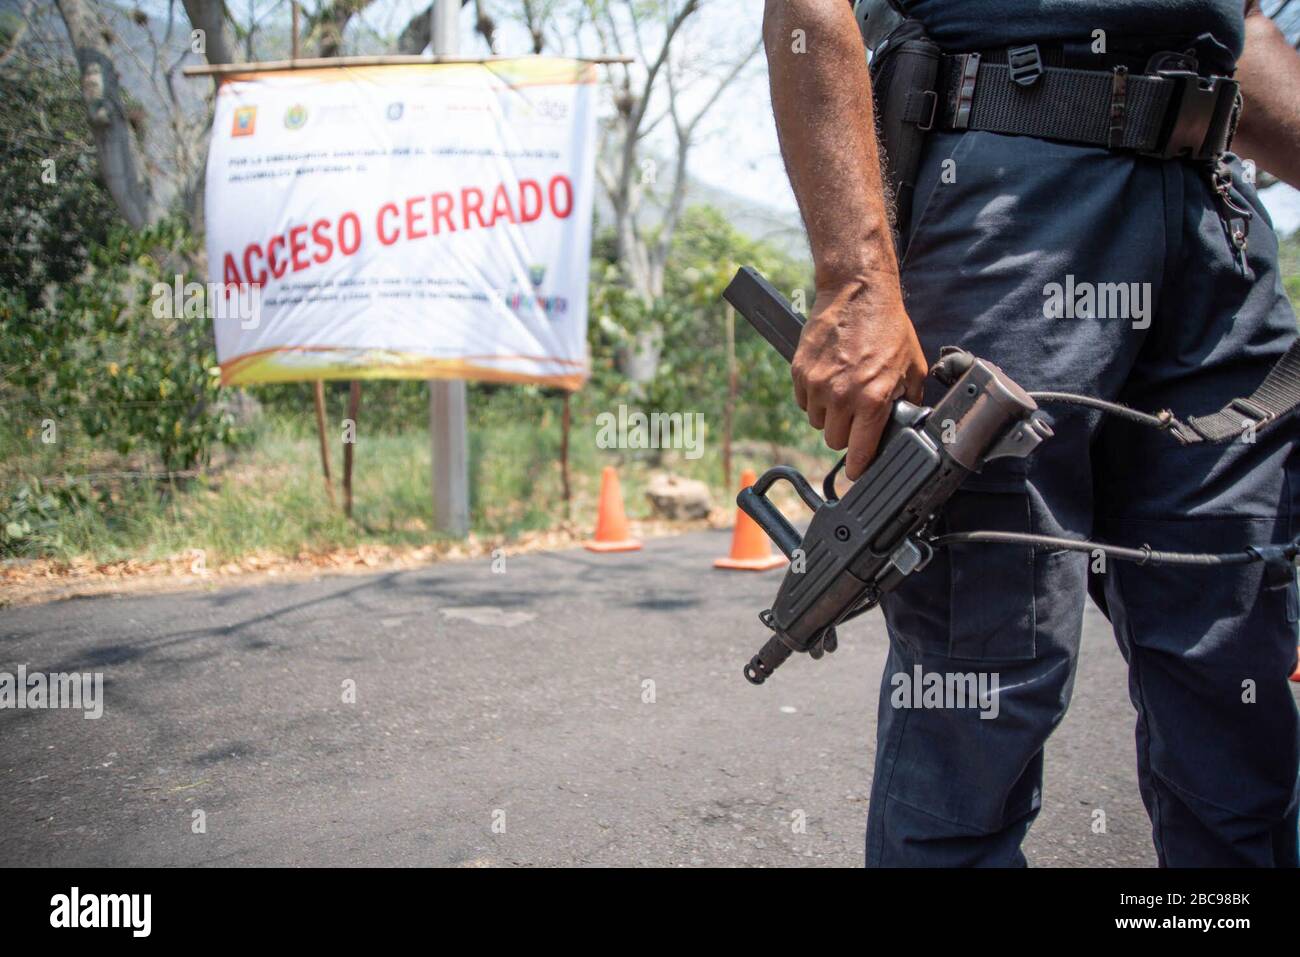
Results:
[444, 27]
[447, 400]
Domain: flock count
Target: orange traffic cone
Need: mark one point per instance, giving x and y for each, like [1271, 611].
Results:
[1295, 675]
[750, 548]
[611, 521]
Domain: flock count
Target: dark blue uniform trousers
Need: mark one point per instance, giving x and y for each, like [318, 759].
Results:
[1209, 650]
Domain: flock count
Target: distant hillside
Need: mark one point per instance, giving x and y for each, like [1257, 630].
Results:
[776, 226]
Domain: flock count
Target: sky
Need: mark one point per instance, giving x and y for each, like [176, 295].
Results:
[741, 152]
[737, 148]
[1283, 205]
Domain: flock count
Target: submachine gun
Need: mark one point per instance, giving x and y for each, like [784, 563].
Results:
[861, 546]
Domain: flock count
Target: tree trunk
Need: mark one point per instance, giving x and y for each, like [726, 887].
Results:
[120, 163]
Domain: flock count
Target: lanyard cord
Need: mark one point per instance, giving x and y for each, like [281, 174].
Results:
[1162, 420]
[1145, 555]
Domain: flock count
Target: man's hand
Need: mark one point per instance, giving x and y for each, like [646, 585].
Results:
[857, 354]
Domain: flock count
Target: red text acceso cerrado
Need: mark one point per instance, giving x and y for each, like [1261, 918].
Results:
[298, 247]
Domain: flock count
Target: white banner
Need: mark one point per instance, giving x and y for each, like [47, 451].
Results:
[409, 221]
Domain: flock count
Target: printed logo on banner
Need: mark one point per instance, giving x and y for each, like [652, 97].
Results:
[295, 117]
[540, 109]
[525, 302]
[245, 121]
[395, 111]
[557, 111]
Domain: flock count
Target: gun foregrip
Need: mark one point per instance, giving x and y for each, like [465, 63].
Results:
[770, 520]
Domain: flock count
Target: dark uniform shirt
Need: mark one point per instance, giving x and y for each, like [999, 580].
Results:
[965, 25]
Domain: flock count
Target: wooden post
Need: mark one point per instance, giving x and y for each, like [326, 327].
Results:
[391, 59]
[354, 403]
[320, 433]
[729, 407]
[293, 55]
[564, 459]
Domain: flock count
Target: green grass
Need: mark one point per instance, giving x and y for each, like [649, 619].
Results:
[269, 497]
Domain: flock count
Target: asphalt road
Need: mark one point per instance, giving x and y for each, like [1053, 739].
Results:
[499, 719]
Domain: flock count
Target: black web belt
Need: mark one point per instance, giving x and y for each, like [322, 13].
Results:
[1170, 114]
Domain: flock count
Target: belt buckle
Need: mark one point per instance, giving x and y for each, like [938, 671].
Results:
[1258, 413]
[1199, 103]
[1024, 64]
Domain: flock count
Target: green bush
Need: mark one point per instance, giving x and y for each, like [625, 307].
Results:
[691, 315]
[29, 521]
[52, 206]
[94, 352]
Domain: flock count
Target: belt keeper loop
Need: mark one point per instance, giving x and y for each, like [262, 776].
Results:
[970, 68]
[1118, 107]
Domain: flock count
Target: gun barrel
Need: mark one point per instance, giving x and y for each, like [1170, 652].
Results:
[770, 657]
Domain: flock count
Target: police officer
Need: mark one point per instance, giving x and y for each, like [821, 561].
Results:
[1007, 233]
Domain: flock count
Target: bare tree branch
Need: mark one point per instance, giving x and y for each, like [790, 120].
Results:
[331, 21]
[533, 21]
[211, 17]
[416, 34]
[486, 26]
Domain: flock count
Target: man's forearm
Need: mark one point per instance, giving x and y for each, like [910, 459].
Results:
[858, 351]
[1269, 72]
[822, 101]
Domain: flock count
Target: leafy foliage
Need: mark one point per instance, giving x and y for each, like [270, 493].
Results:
[52, 208]
[94, 350]
[692, 373]
[1289, 262]
[32, 517]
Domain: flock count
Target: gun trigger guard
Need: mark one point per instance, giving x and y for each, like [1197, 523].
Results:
[828, 483]
[797, 482]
